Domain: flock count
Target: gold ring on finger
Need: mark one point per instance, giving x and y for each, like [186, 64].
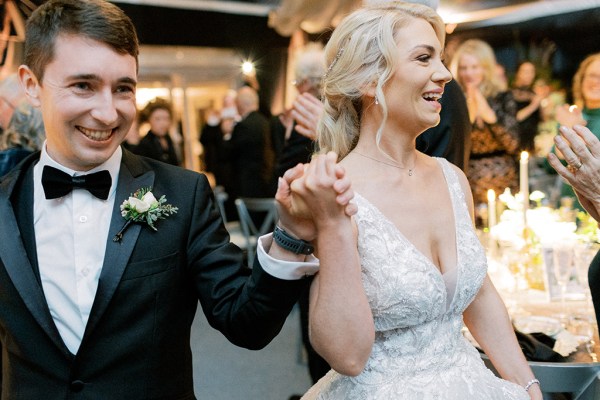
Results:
[574, 168]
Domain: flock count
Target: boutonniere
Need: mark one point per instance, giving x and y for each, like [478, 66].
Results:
[143, 207]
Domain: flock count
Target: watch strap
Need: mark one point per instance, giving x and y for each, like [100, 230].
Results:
[288, 242]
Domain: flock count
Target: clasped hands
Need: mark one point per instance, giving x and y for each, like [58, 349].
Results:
[310, 196]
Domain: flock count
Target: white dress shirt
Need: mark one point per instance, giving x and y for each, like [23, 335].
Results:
[71, 234]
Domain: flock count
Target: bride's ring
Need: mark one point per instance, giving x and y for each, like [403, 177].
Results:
[575, 168]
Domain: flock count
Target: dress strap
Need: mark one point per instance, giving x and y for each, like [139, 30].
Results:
[457, 194]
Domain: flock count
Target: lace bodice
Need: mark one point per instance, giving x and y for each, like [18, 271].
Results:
[419, 351]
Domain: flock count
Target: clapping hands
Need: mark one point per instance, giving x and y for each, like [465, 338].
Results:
[581, 150]
[569, 116]
[306, 111]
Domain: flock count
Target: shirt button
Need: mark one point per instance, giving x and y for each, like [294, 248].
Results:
[85, 271]
[83, 218]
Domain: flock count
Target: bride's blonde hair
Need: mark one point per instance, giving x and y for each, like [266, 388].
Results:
[362, 51]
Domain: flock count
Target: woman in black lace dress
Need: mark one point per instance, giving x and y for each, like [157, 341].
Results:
[492, 110]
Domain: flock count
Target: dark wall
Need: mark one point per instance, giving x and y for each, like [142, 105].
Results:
[176, 26]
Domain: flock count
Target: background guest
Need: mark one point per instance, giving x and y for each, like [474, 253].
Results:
[211, 136]
[23, 136]
[586, 97]
[157, 143]
[296, 128]
[218, 161]
[11, 96]
[249, 150]
[492, 111]
[528, 97]
[585, 110]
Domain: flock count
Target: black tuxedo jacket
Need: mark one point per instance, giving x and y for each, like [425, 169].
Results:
[252, 157]
[136, 342]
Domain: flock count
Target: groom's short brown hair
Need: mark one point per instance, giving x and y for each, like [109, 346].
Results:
[95, 19]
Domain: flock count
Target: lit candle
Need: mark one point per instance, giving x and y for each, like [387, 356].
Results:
[491, 195]
[524, 183]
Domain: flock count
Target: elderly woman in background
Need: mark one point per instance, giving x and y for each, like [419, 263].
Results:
[492, 110]
[585, 110]
[586, 97]
[23, 136]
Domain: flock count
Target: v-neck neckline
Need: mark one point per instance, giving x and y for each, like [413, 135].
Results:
[428, 261]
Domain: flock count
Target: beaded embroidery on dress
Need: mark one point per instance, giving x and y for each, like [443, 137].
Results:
[419, 350]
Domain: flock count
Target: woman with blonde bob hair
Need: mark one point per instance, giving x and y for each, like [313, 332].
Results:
[493, 113]
[579, 93]
[586, 97]
[397, 278]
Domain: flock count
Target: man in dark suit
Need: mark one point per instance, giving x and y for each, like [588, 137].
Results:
[93, 306]
[249, 149]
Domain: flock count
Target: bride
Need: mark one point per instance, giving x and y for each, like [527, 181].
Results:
[396, 280]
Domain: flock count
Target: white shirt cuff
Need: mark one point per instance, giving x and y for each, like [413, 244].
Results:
[287, 270]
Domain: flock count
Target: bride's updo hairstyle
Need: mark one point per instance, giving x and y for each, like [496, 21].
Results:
[362, 52]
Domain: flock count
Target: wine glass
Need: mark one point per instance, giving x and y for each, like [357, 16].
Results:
[584, 254]
[562, 263]
[512, 259]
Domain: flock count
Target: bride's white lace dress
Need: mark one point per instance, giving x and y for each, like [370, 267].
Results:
[419, 351]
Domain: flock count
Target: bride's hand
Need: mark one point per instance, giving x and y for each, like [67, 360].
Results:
[316, 188]
[321, 182]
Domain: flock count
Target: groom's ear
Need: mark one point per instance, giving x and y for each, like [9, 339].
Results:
[30, 85]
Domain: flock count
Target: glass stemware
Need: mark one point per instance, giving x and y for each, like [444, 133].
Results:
[584, 254]
[563, 267]
[511, 257]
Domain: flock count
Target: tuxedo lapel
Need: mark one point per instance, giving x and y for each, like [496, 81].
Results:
[17, 248]
[132, 176]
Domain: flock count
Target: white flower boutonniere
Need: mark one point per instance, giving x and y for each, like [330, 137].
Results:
[142, 206]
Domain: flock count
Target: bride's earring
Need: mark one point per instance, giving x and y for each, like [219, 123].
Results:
[376, 100]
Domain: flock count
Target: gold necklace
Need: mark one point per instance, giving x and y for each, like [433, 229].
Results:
[410, 170]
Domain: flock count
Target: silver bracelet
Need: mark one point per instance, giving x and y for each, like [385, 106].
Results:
[531, 383]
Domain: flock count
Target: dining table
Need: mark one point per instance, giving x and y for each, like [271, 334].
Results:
[534, 310]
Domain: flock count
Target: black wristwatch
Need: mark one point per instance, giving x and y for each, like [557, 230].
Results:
[297, 246]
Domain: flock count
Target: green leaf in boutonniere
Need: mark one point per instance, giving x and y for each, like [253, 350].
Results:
[143, 207]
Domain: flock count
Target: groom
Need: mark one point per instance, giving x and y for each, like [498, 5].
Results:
[92, 307]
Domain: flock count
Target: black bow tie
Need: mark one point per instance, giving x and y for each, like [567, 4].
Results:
[57, 183]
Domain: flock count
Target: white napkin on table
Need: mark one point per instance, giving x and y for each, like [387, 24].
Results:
[566, 343]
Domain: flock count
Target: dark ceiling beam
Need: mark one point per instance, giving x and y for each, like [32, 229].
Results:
[185, 27]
